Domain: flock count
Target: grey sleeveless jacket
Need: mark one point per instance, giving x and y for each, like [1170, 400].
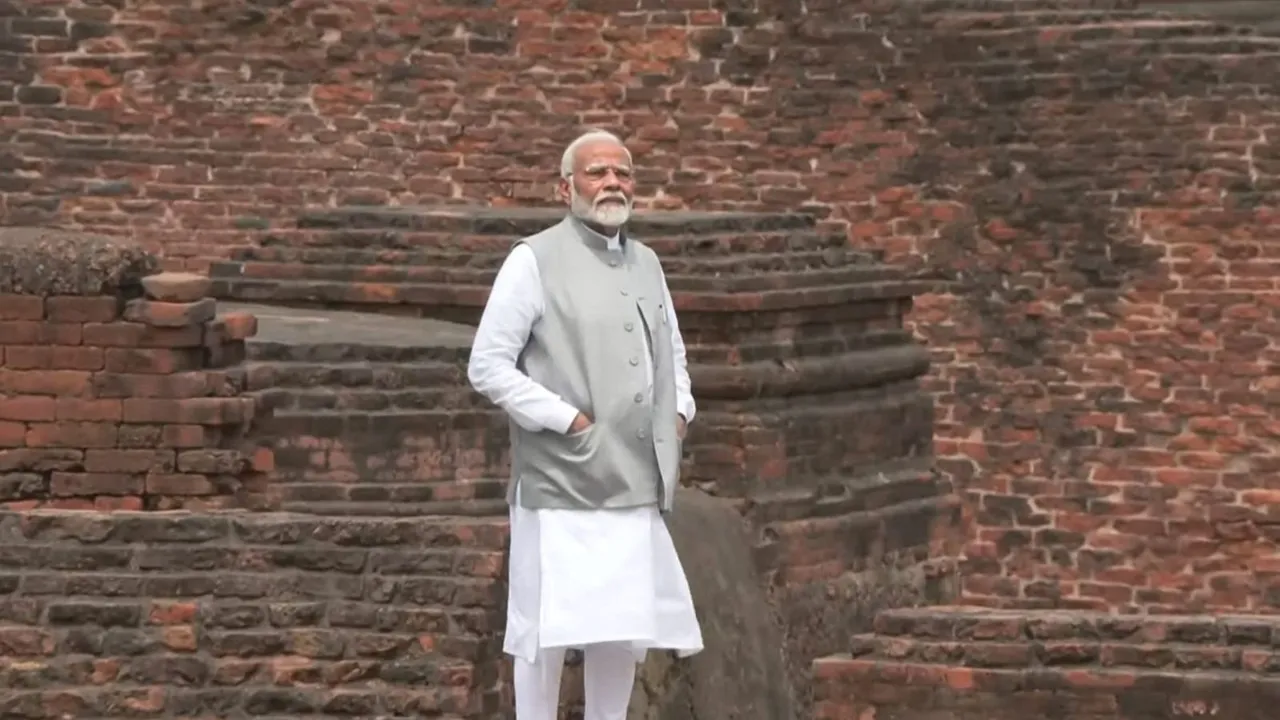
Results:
[589, 347]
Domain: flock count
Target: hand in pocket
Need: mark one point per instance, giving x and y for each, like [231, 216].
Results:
[580, 424]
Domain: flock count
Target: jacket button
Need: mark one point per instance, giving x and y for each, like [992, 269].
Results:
[629, 327]
[635, 361]
[640, 433]
[639, 397]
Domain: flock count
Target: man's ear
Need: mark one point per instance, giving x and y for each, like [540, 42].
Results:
[562, 190]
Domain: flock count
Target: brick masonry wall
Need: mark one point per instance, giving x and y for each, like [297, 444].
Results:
[966, 664]
[1085, 184]
[119, 396]
[226, 614]
[803, 340]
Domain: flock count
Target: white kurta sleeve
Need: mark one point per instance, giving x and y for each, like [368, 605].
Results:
[684, 386]
[514, 305]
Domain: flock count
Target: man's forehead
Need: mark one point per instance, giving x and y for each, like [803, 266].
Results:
[603, 154]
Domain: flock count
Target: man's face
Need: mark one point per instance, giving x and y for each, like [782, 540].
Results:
[601, 187]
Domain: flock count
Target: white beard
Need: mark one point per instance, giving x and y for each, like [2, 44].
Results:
[610, 215]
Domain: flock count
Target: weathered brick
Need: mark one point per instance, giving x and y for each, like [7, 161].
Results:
[170, 314]
[176, 287]
[139, 385]
[1082, 672]
[21, 307]
[27, 408]
[180, 484]
[153, 361]
[128, 461]
[95, 483]
[45, 382]
[74, 435]
[189, 411]
[134, 334]
[72, 309]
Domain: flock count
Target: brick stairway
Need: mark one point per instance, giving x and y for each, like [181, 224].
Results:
[372, 415]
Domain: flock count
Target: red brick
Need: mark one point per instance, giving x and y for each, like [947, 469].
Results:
[76, 358]
[129, 461]
[21, 307]
[180, 484]
[154, 361]
[186, 436]
[72, 435]
[12, 434]
[90, 484]
[263, 460]
[89, 410]
[107, 503]
[67, 309]
[170, 315]
[239, 325]
[176, 287]
[172, 613]
[130, 335]
[73, 383]
[192, 411]
[27, 408]
[20, 332]
[133, 385]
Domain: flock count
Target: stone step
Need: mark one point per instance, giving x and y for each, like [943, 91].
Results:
[1047, 35]
[1066, 652]
[465, 492]
[365, 400]
[463, 303]
[972, 624]
[958, 7]
[416, 271]
[362, 247]
[262, 351]
[383, 376]
[1032, 20]
[516, 222]
[1261, 16]
[386, 425]
[1042, 59]
[463, 508]
[348, 294]
[356, 255]
[985, 638]
[449, 246]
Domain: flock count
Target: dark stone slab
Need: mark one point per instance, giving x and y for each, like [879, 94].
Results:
[526, 221]
[44, 262]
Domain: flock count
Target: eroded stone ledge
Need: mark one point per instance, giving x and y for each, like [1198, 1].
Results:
[47, 262]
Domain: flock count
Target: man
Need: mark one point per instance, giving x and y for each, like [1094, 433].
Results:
[579, 345]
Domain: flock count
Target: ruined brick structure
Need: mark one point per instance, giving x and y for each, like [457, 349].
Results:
[1085, 188]
[115, 391]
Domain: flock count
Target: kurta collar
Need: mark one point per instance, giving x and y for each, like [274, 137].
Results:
[599, 241]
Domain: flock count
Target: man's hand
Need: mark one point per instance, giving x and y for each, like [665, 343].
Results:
[580, 422]
[682, 427]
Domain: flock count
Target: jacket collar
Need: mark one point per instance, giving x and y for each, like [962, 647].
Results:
[593, 239]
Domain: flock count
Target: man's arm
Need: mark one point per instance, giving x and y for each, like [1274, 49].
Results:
[684, 387]
[514, 305]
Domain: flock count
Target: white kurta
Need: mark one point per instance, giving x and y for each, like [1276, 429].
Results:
[578, 577]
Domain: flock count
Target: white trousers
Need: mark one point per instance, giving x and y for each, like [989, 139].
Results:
[609, 672]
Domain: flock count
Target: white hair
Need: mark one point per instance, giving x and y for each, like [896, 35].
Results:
[571, 152]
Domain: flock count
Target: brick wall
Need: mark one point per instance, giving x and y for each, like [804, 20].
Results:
[131, 614]
[964, 664]
[793, 338]
[118, 391]
[1107, 340]
[1084, 183]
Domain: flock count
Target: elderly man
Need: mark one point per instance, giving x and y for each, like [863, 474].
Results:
[579, 345]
